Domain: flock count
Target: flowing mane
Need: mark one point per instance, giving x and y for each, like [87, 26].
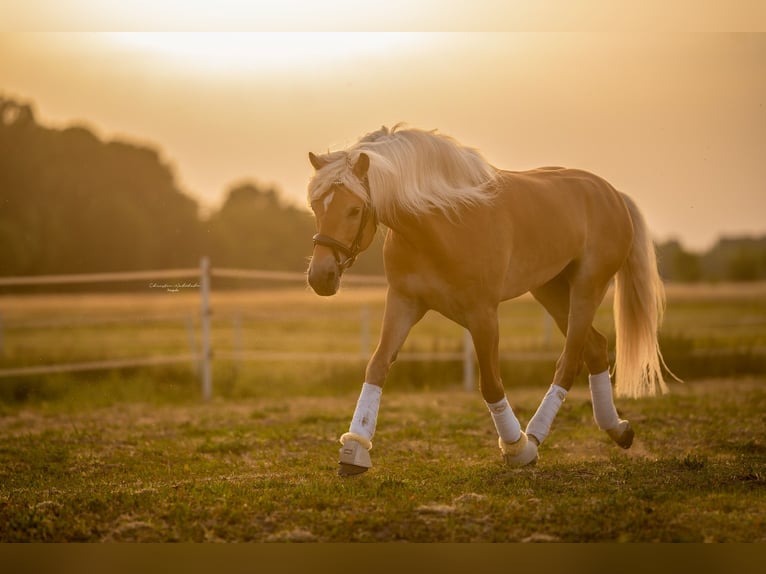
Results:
[412, 170]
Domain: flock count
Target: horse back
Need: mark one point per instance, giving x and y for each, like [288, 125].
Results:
[537, 224]
[559, 216]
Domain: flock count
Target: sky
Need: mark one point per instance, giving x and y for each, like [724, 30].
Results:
[673, 115]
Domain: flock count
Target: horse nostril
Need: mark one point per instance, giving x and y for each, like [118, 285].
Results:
[331, 276]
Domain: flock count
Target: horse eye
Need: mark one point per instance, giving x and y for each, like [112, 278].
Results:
[354, 211]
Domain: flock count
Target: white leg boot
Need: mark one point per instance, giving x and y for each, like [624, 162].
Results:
[605, 413]
[357, 442]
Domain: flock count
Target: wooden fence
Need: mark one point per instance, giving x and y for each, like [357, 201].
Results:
[203, 355]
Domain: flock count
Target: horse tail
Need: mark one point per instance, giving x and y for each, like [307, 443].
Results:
[639, 304]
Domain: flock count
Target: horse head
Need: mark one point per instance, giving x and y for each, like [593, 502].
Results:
[345, 221]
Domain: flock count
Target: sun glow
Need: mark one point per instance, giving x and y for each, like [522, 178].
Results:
[267, 51]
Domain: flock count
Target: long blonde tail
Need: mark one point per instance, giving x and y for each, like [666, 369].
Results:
[639, 304]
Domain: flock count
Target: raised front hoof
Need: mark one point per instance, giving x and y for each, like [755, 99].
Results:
[622, 434]
[521, 453]
[345, 470]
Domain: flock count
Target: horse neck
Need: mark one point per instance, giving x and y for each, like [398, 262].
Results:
[402, 222]
[420, 230]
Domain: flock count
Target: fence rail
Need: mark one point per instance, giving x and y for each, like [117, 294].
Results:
[98, 365]
[201, 349]
[204, 357]
[83, 278]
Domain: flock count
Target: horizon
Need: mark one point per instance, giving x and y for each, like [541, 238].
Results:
[676, 120]
[206, 211]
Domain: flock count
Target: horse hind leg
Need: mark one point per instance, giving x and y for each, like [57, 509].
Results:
[605, 413]
[554, 297]
[600, 386]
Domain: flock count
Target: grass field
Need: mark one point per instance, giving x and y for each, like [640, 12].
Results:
[264, 470]
[134, 455]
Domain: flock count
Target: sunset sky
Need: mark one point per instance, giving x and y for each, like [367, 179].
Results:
[675, 118]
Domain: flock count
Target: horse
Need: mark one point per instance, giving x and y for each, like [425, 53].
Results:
[463, 236]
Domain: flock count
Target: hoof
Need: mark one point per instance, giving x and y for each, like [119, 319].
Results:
[623, 434]
[345, 469]
[523, 452]
[354, 457]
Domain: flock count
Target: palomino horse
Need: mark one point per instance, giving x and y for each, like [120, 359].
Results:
[464, 236]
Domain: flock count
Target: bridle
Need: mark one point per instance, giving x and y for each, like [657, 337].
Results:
[349, 252]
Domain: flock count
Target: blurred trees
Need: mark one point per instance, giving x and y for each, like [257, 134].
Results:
[736, 259]
[677, 264]
[254, 230]
[70, 203]
[730, 259]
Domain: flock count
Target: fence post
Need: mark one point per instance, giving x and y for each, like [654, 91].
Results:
[236, 325]
[207, 352]
[468, 370]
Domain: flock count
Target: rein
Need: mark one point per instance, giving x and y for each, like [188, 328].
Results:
[349, 252]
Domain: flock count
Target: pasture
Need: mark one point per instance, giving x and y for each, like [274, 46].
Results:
[135, 455]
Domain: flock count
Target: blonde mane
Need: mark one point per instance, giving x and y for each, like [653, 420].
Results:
[410, 170]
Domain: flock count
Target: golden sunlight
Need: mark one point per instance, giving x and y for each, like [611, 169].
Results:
[262, 52]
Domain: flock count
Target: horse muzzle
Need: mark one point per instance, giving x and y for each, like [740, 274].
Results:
[324, 274]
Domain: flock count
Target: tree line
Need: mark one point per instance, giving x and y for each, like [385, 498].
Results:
[72, 203]
[730, 259]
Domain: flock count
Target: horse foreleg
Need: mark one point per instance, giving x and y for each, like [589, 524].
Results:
[400, 314]
[516, 449]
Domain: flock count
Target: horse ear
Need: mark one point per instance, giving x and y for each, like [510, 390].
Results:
[361, 166]
[317, 161]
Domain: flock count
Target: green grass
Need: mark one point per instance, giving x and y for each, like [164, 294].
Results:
[133, 454]
[264, 470]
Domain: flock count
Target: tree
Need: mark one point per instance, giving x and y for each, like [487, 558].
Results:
[70, 202]
[677, 264]
[254, 229]
[736, 259]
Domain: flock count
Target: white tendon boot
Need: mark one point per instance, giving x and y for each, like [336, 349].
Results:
[540, 424]
[357, 442]
[605, 413]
